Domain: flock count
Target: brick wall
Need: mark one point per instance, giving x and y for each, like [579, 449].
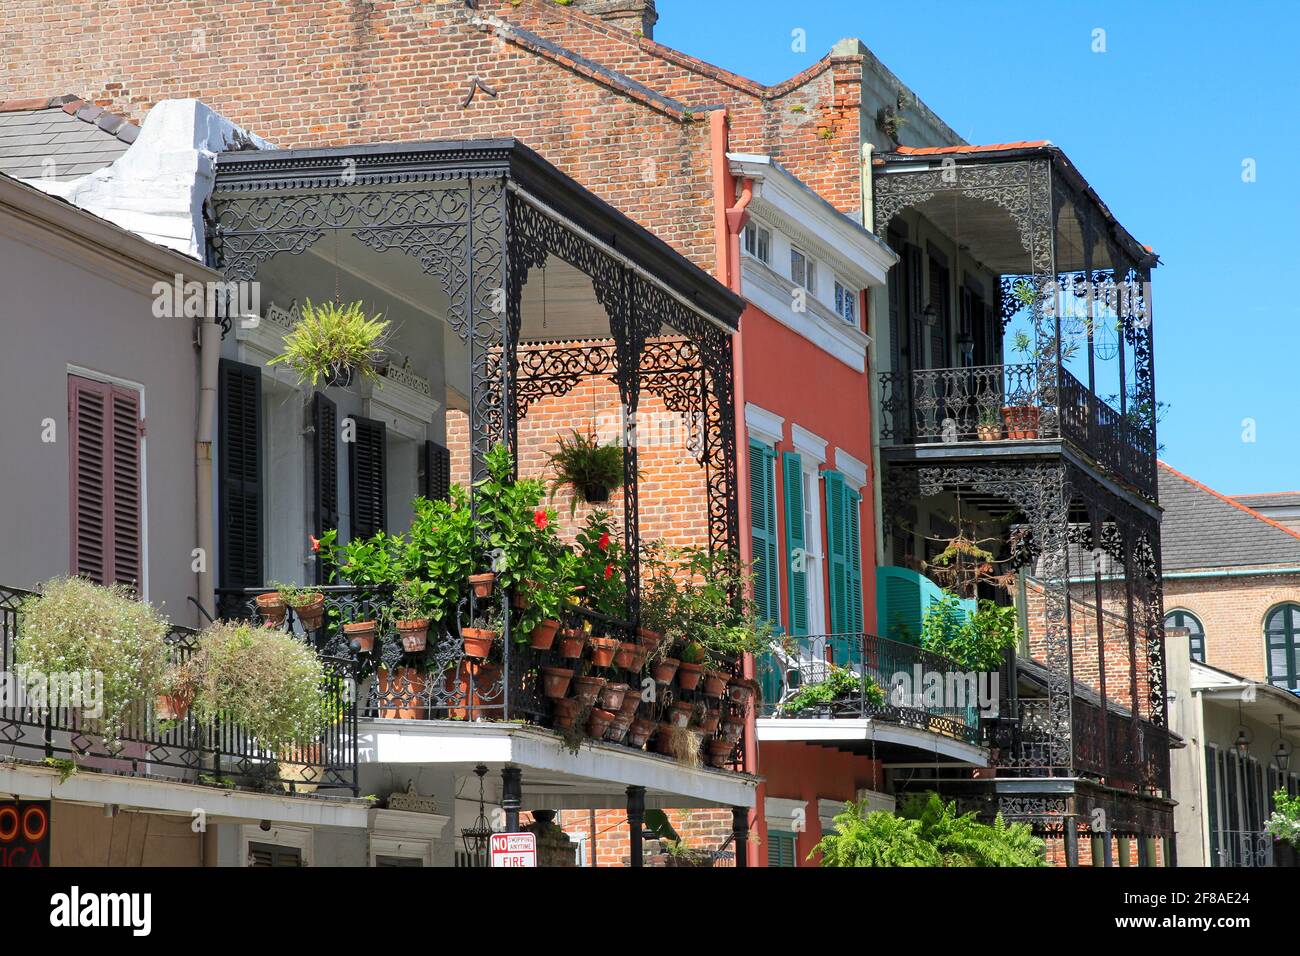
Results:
[701, 829]
[1232, 612]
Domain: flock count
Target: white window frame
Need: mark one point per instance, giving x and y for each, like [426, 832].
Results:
[813, 532]
[809, 280]
[846, 295]
[293, 838]
[760, 238]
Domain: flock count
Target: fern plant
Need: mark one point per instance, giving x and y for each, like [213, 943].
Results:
[332, 341]
[593, 470]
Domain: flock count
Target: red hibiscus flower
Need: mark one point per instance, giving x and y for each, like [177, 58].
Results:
[315, 542]
[604, 543]
[609, 571]
[541, 518]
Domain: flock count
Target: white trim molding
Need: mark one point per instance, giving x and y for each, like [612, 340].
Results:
[763, 425]
[852, 469]
[402, 402]
[295, 838]
[781, 813]
[405, 834]
[773, 293]
[808, 445]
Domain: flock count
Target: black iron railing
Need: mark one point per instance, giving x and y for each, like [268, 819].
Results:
[1018, 402]
[886, 681]
[443, 682]
[189, 749]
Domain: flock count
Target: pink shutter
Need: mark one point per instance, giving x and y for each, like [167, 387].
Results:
[126, 486]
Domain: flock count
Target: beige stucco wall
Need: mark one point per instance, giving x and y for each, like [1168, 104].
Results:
[84, 836]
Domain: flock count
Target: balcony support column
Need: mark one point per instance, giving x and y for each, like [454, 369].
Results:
[635, 825]
[740, 834]
[511, 796]
[1071, 842]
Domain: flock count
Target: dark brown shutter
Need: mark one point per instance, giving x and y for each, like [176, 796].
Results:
[939, 299]
[325, 476]
[239, 452]
[915, 307]
[104, 473]
[435, 477]
[368, 488]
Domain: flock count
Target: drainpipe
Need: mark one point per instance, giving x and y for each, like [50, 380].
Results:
[209, 354]
[868, 191]
[729, 221]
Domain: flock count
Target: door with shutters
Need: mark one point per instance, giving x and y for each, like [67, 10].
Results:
[939, 298]
[105, 474]
[325, 471]
[766, 553]
[239, 470]
[844, 557]
[368, 478]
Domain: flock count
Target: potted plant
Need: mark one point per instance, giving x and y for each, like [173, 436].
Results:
[640, 731]
[564, 712]
[401, 693]
[709, 722]
[720, 752]
[482, 584]
[360, 635]
[308, 604]
[333, 342]
[591, 469]
[411, 615]
[598, 722]
[483, 632]
[628, 706]
[374, 567]
[586, 688]
[76, 626]
[664, 670]
[572, 641]
[611, 696]
[179, 685]
[691, 666]
[679, 713]
[715, 682]
[602, 650]
[555, 680]
[271, 607]
[989, 427]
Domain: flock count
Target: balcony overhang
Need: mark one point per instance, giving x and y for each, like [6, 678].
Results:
[553, 778]
[160, 795]
[893, 743]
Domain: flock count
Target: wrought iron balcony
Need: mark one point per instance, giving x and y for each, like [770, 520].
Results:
[190, 749]
[874, 664]
[1012, 403]
[443, 682]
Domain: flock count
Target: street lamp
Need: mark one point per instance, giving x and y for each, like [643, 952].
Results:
[477, 836]
[1242, 743]
[1281, 750]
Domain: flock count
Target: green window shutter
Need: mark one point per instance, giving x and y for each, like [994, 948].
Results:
[780, 848]
[902, 598]
[853, 558]
[762, 503]
[837, 541]
[795, 540]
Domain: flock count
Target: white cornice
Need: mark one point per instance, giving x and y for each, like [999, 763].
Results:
[852, 469]
[781, 813]
[807, 444]
[773, 294]
[764, 425]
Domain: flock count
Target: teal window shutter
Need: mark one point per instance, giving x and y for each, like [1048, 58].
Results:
[853, 558]
[780, 848]
[795, 540]
[762, 505]
[844, 557]
[902, 598]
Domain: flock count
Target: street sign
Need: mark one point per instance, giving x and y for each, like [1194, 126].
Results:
[514, 849]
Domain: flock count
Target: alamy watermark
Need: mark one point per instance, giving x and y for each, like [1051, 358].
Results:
[30, 689]
[923, 689]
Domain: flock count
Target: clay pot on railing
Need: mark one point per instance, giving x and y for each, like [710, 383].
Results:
[709, 722]
[732, 729]
[664, 740]
[555, 681]
[688, 675]
[664, 670]
[414, 634]
[640, 731]
[272, 607]
[715, 682]
[679, 714]
[542, 636]
[1021, 421]
[720, 752]
[598, 722]
[482, 584]
[742, 692]
[521, 599]
[618, 730]
[626, 655]
[478, 641]
[631, 701]
[648, 639]
[173, 706]
[360, 636]
[611, 696]
[602, 650]
[401, 695]
[571, 643]
[311, 611]
[563, 713]
[586, 688]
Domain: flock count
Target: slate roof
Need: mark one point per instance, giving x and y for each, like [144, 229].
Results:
[1271, 499]
[62, 136]
[1203, 529]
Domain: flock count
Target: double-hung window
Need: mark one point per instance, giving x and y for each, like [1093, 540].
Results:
[758, 242]
[846, 303]
[803, 270]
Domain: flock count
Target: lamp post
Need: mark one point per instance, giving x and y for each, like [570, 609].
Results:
[477, 836]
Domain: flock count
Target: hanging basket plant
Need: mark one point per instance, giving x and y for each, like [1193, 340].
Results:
[334, 342]
[591, 469]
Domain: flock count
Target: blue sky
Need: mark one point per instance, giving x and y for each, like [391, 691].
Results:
[1159, 124]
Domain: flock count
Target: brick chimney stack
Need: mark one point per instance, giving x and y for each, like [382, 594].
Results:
[634, 16]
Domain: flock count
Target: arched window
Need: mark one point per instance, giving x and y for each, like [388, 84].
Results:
[1197, 633]
[1282, 638]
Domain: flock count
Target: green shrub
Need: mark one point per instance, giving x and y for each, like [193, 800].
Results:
[1284, 824]
[266, 681]
[977, 643]
[840, 684]
[77, 626]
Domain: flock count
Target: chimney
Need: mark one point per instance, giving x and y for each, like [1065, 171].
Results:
[634, 16]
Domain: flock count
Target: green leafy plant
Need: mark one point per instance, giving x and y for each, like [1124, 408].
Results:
[293, 594]
[438, 550]
[593, 470]
[67, 768]
[331, 341]
[266, 681]
[927, 831]
[599, 566]
[518, 538]
[976, 643]
[1284, 824]
[77, 627]
[413, 600]
[840, 684]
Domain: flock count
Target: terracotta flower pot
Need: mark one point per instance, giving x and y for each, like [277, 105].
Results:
[172, 706]
[638, 661]
[602, 650]
[414, 634]
[598, 722]
[488, 682]
[361, 636]
[611, 696]
[301, 771]
[664, 670]
[586, 688]
[271, 607]
[401, 694]
[311, 612]
[989, 432]
[732, 729]
[709, 722]
[542, 636]
[664, 740]
[478, 641]
[648, 639]
[521, 599]
[555, 681]
[631, 701]
[688, 675]
[720, 752]
[565, 709]
[679, 714]
[618, 730]
[571, 642]
[715, 683]
[626, 655]
[742, 692]
[1021, 421]
[640, 731]
[482, 584]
